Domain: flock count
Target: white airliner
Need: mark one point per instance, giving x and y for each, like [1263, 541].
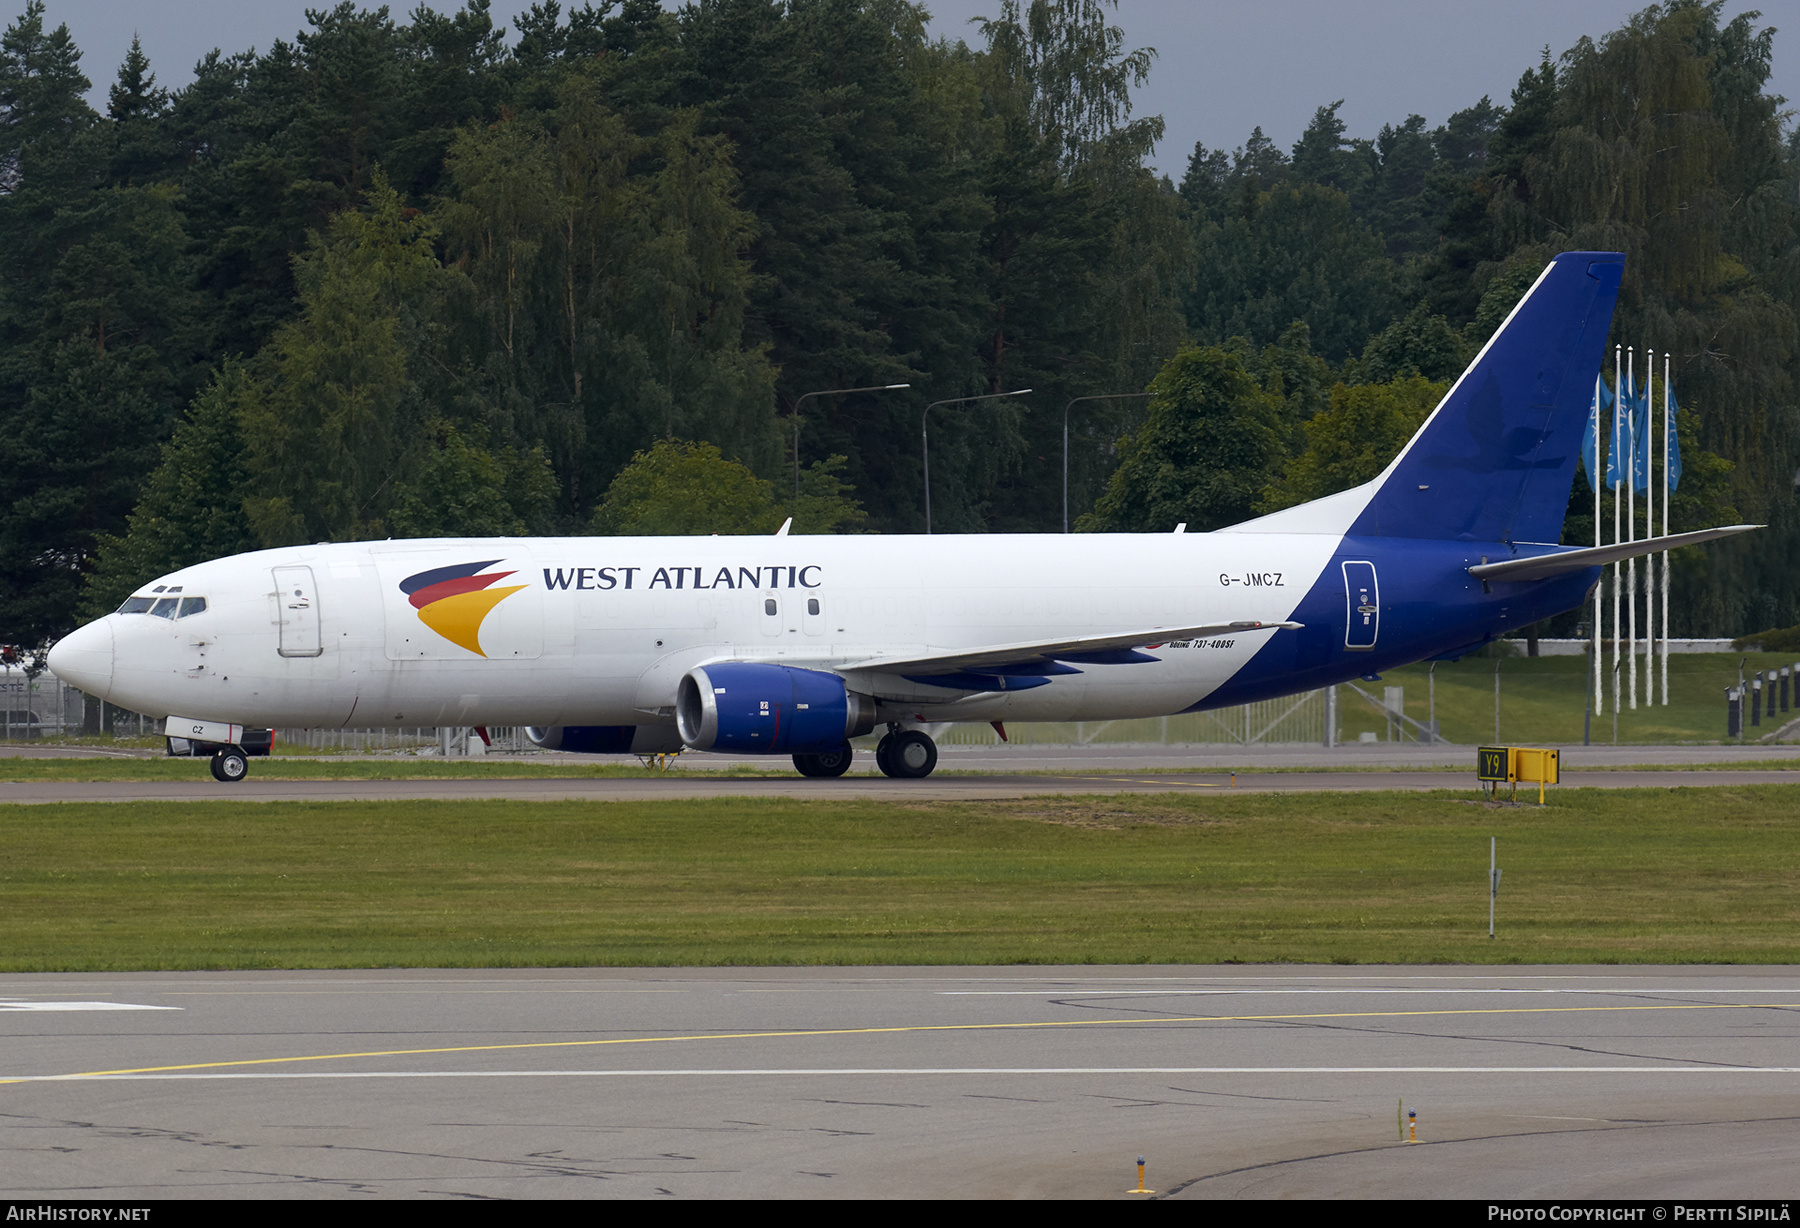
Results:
[792, 645]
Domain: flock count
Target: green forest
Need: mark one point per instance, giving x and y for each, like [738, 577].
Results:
[451, 274]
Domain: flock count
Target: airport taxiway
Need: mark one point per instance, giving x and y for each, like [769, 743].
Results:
[972, 774]
[964, 1082]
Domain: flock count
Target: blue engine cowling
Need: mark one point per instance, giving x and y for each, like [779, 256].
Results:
[605, 739]
[758, 709]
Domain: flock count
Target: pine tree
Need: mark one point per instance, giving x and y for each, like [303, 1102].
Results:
[143, 150]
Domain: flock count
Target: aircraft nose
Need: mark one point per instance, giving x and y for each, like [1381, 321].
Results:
[84, 658]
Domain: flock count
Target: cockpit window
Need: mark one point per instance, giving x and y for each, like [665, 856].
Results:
[165, 607]
[136, 605]
[192, 605]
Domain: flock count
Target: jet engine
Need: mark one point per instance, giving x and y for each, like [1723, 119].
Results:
[759, 709]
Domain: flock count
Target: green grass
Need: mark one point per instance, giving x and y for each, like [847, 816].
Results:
[1657, 875]
[1543, 699]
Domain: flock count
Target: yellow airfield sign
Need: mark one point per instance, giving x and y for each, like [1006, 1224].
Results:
[1496, 765]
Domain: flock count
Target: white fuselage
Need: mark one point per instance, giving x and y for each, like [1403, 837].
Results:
[599, 631]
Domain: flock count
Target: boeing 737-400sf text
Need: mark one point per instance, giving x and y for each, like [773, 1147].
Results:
[794, 645]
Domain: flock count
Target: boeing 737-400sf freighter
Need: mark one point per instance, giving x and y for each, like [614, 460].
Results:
[791, 645]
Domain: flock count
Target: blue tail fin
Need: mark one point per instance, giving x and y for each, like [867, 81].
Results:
[1496, 459]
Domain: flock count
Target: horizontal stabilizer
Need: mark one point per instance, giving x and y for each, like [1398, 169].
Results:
[975, 660]
[1544, 566]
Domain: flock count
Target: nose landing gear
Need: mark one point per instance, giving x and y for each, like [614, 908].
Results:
[230, 764]
[907, 754]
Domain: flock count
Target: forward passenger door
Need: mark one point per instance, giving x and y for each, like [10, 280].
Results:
[297, 612]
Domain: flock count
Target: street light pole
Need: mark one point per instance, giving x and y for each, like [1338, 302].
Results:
[1109, 396]
[925, 440]
[828, 392]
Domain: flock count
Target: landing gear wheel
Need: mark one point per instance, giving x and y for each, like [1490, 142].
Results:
[834, 762]
[884, 751]
[912, 756]
[830, 763]
[230, 765]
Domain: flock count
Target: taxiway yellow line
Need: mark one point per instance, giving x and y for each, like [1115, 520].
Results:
[935, 1027]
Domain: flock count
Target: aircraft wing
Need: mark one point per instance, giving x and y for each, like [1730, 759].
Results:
[1021, 658]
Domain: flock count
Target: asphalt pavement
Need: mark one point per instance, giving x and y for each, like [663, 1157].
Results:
[971, 774]
[903, 1082]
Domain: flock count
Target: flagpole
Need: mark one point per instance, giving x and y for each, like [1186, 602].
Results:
[1599, 696]
[1668, 434]
[1631, 584]
[1619, 407]
[1649, 528]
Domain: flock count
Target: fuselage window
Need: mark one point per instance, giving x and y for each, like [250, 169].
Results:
[769, 607]
[812, 605]
[165, 607]
[137, 605]
[192, 605]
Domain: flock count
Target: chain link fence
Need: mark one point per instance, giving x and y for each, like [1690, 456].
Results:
[1292, 719]
[457, 740]
[45, 708]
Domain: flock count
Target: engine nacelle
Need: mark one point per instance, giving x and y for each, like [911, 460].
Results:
[605, 739]
[758, 709]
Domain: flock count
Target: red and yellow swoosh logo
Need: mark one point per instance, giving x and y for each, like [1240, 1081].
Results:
[453, 601]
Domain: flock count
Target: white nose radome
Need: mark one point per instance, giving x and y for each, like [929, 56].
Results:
[84, 658]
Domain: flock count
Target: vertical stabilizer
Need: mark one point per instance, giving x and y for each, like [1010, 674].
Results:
[1496, 458]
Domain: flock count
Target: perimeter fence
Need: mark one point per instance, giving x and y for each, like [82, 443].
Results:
[47, 709]
[1486, 700]
[1292, 719]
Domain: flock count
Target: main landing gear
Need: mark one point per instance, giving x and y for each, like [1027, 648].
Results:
[831, 763]
[906, 754]
[230, 764]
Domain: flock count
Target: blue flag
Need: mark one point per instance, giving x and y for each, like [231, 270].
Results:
[1618, 444]
[1603, 399]
[1640, 439]
[1672, 446]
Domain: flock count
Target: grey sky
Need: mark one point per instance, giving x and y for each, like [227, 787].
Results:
[1221, 69]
